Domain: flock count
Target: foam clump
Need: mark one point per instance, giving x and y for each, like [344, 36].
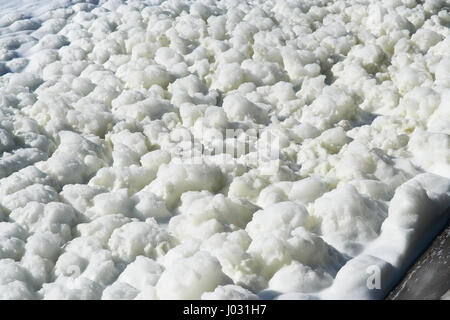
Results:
[220, 149]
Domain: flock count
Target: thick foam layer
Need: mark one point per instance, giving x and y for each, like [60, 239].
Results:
[220, 149]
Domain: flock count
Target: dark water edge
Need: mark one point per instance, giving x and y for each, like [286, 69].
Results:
[429, 277]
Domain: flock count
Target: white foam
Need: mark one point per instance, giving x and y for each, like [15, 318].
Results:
[119, 178]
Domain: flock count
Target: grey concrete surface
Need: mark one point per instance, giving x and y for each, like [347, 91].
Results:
[429, 276]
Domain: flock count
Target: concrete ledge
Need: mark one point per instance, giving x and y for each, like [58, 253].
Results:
[429, 277]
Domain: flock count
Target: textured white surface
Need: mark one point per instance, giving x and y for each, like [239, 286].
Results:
[99, 201]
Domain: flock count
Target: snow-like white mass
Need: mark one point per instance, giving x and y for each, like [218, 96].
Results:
[128, 167]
